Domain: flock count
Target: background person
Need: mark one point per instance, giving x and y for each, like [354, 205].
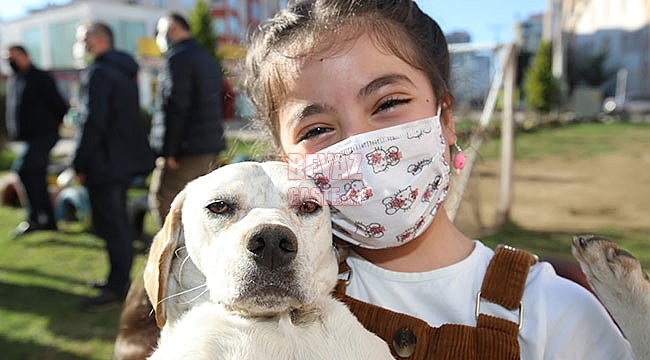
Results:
[35, 110]
[371, 77]
[187, 129]
[112, 149]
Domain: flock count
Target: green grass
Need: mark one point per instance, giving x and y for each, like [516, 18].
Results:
[557, 244]
[572, 142]
[6, 159]
[43, 276]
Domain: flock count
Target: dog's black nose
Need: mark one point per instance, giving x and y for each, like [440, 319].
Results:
[273, 246]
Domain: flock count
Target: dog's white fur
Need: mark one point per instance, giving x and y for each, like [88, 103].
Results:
[252, 309]
[621, 285]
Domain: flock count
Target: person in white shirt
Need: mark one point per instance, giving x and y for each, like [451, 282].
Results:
[356, 93]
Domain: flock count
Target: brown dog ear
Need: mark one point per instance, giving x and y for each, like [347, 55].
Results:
[159, 262]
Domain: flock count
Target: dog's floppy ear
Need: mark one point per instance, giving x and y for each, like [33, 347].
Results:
[159, 262]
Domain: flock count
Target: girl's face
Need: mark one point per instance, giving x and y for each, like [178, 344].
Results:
[359, 89]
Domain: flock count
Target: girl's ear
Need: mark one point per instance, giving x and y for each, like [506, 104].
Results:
[447, 121]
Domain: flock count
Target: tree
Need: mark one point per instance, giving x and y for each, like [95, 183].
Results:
[201, 27]
[542, 90]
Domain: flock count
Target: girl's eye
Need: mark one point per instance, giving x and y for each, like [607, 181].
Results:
[390, 103]
[315, 131]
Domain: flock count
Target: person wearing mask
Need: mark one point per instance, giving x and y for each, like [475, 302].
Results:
[112, 148]
[366, 83]
[35, 110]
[187, 130]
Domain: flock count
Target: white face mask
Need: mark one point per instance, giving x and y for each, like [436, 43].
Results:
[81, 57]
[162, 42]
[385, 186]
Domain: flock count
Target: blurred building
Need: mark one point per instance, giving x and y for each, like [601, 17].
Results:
[528, 33]
[49, 33]
[583, 29]
[470, 70]
[458, 37]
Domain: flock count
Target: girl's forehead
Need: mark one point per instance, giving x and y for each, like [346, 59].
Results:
[295, 58]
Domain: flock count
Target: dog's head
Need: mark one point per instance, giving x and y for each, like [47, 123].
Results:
[258, 238]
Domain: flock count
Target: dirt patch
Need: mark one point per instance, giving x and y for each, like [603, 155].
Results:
[555, 194]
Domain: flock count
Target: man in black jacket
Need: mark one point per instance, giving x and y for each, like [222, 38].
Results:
[187, 129]
[34, 112]
[112, 148]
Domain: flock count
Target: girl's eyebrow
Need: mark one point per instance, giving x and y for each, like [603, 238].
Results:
[381, 81]
[372, 86]
[305, 111]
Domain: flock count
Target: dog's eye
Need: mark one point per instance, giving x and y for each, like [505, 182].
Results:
[219, 207]
[308, 207]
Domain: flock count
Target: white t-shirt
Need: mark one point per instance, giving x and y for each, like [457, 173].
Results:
[561, 320]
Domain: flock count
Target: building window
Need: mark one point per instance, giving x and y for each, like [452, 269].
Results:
[63, 35]
[218, 26]
[233, 25]
[255, 11]
[32, 43]
[127, 33]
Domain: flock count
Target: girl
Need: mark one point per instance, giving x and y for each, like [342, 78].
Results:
[362, 85]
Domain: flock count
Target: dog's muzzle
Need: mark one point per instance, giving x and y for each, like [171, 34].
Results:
[272, 246]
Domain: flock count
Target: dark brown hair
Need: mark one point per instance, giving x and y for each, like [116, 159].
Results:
[18, 48]
[180, 20]
[103, 30]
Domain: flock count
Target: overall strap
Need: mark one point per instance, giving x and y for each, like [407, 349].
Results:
[492, 338]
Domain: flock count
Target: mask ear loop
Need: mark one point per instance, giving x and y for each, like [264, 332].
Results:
[459, 158]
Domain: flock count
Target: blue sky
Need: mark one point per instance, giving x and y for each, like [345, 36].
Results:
[487, 21]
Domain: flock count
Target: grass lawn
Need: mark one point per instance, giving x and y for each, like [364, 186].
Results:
[43, 276]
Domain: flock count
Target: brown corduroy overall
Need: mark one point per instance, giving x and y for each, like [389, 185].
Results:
[492, 338]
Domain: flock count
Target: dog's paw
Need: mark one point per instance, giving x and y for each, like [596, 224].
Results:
[621, 285]
[607, 267]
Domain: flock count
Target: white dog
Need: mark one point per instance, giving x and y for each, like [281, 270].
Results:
[621, 285]
[260, 247]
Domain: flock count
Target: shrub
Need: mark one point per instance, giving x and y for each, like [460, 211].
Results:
[542, 90]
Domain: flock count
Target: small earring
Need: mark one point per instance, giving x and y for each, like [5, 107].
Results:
[459, 159]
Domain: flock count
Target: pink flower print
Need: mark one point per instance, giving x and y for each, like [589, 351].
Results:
[414, 194]
[372, 230]
[356, 191]
[406, 235]
[397, 203]
[393, 155]
[420, 222]
[402, 200]
[431, 188]
[321, 181]
[381, 159]
[428, 193]
[375, 157]
[410, 232]
[376, 230]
